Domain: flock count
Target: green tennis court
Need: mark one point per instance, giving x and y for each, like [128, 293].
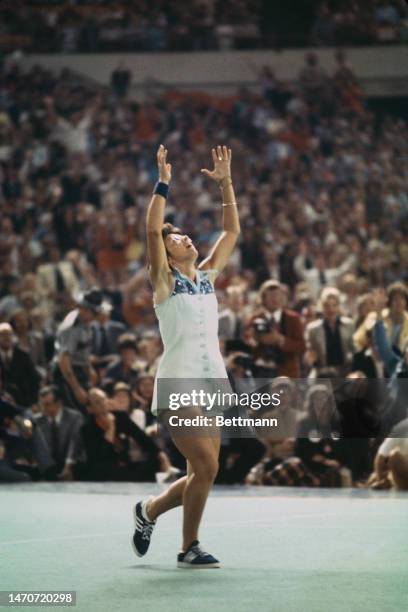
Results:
[285, 549]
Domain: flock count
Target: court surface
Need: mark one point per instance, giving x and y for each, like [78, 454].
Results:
[282, 549]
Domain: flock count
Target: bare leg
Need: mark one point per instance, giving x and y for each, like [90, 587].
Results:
[171, 498]
[202, 454]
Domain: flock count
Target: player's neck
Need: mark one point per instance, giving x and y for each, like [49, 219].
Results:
[188, 269]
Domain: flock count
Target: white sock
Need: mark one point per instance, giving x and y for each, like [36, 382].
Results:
[144, 510]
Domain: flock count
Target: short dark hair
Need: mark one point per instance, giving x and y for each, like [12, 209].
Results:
[169, 228]
[397, 288]
[51, 389]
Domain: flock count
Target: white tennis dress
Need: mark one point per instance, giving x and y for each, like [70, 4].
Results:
[188, 323]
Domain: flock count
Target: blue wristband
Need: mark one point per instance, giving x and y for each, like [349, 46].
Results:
[161, 189]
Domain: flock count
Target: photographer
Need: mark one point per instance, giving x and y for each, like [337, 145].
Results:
[275, 334]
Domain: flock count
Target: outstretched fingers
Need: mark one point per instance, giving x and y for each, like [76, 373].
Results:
[220, 153]
[161, 155]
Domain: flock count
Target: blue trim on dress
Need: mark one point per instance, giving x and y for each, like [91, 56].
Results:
[183, 284]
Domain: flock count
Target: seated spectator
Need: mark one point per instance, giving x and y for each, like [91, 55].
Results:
[277, 451]
[56, 436]
[142, 396]
[29, 340]
[319, 452]
[149, 349]
[105, 338]
[329, 340]
[106, 439]
[18, 373]
[15, 442]
[125, 367]
[7, 472]
[231, 318]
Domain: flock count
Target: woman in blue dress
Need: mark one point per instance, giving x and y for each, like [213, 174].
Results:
[186, 307]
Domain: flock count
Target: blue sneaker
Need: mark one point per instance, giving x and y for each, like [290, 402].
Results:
[196, 558]
[143, 529]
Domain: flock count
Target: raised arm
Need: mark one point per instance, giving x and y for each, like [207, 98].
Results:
[222, 249]
[159, 267]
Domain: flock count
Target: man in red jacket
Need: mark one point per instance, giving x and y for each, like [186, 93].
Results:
[276, 334]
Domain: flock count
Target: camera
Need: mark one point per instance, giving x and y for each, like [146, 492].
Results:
[262, 326]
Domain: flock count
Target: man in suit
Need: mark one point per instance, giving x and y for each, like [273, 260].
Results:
[56, 436]
[106, 435]
[276, 334]
[230, 320]
[329, 340]
[18, 372]
[105, 335]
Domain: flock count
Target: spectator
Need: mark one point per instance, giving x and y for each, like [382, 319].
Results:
[7, 472]
[329, 340]
[29, 340]
[276, 334]
[394, 315]
[13, 362]
[231, 321]
[106, 334]
[106, 437]
[57, 436]
[125, 367]
[318, 275]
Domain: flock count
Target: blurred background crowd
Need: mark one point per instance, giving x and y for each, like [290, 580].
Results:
[316, 290]
[89, 26]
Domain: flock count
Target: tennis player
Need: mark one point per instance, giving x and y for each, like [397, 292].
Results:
[186, 307]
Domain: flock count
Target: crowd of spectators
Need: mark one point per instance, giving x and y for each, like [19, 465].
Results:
[89, 26]
[321, 185]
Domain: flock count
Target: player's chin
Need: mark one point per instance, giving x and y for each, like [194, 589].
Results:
[192, 253]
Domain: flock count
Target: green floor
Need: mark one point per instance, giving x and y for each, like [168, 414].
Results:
[282, 550]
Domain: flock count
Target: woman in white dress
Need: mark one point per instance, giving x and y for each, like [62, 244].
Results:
[186, 308]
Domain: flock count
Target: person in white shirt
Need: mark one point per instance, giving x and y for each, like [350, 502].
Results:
[319, 276]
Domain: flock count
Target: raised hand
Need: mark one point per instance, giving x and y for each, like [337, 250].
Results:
[162, 165]
[222, 165]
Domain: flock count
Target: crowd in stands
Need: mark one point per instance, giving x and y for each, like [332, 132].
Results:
[315, 291]
[89, 26]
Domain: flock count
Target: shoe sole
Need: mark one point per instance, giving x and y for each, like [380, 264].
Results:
[184, 565]
[137, 553]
